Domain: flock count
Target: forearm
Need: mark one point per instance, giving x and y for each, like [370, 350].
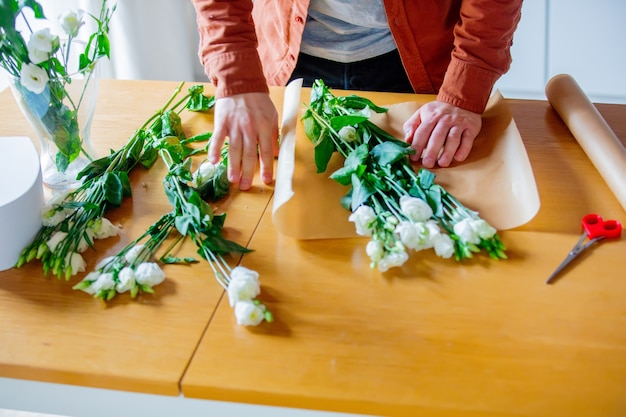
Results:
[483, 38]
[227, 47]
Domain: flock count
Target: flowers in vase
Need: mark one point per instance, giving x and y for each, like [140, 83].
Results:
[42, 69]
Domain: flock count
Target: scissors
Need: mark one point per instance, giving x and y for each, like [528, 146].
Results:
[595, 229]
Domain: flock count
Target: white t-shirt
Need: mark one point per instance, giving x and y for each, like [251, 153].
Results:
[346, 31]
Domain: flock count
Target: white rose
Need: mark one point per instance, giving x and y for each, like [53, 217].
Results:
[103, 228]
[205, 172]
[413, 235]
[90, 278]
[392, 259]
[104, 282]
[76, 262]
[375, 250]
[55, 239]
[149, 273]
[133, 253]
[483, 229]
[126, 279]
[33, 78]
[40, 45]
[465, 231]
[249, 313]
[348, 134]
[444, 245]
[71, 21]
[415, 209]
[42, 40]
[363, 218]
[36, 56]
[50, 216]
[244, 285]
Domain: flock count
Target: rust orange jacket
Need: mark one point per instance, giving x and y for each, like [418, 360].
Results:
[456, 49]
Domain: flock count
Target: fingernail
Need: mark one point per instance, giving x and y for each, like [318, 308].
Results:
[244, 185]
[428, 162]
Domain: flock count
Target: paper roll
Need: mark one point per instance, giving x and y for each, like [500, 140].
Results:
[594, 135]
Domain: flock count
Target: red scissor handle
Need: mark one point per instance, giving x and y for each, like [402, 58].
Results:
[596, 227]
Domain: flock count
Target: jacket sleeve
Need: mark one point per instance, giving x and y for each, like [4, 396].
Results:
[228, 46]
[482, 42]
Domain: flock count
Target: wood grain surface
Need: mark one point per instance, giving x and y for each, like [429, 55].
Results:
[49, 332]
[436, 338]
[433, 338]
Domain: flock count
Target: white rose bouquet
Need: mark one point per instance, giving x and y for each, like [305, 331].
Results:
[40, 64]
[402, 210]
[136, 267]
[72, 221]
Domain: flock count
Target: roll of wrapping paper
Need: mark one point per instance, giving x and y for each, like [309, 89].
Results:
[594, 135]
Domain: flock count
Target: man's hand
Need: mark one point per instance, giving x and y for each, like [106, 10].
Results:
[250, 121]
[440, 132]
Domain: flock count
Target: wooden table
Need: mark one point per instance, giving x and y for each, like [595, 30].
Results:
[434, 338]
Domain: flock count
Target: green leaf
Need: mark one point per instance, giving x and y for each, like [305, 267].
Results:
[387, 153]
[361, 191]
[312, 129]
[355, 163]
[127, 190]
[323, 152]
[169, 259]
[346, 120]
[203, 209]
[182, 223]
[358, 156]
[433, 197]
[95, 168]
[113, 188]
[104, 46]
[149, 157]
[34, 6]
[201, 137]
[356, 102]
[219, 245]
[343, 175]
[198, 101]
[172, 125]
[62, 162]
[426, 178]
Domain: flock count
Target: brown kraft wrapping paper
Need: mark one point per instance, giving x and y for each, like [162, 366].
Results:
[591, 131]
[496, 180]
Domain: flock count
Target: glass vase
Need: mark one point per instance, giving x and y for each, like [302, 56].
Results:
[61, 115]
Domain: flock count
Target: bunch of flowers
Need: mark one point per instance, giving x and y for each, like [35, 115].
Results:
[400, 209]
[133, 269]
[41, 67]
[71, 221]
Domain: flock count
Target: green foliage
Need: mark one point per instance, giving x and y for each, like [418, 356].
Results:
[55, 108]
[377, 168]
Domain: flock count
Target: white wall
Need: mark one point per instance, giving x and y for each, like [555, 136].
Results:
[585, 39]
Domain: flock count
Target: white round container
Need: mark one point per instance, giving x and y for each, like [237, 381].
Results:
[21, 197]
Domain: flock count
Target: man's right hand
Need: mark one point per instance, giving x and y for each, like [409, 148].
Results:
[250, 122]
